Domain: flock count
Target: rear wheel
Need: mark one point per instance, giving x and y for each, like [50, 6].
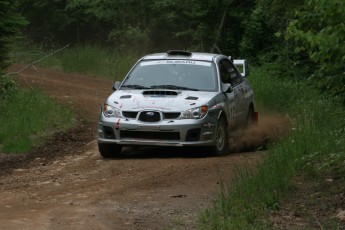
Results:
[221, 138]
[109, 150]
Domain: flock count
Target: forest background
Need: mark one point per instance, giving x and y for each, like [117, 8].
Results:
[303, 36]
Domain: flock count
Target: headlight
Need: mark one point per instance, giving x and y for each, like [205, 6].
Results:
[110, 111]
[195, 113]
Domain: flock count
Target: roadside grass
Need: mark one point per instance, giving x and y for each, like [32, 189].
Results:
[96, 61]
[91, 60]
[315, 145]
[29, 118]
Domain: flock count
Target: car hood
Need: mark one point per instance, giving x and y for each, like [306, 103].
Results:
[161, 100]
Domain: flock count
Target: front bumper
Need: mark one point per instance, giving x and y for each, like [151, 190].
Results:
[184, 132]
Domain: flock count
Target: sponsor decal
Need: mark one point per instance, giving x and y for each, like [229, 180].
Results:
[151, 107]
[173, 62]
[117, 126]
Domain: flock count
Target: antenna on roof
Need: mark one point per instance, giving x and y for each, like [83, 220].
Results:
[215, 46]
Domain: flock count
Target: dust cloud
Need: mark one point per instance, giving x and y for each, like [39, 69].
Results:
[270, 128]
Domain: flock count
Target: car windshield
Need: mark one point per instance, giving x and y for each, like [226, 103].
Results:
[172, 74]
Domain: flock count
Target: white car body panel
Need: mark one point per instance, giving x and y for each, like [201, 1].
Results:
[146, 109]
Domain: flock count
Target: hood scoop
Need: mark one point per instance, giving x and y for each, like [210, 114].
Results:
[191, 98]
[158, 93]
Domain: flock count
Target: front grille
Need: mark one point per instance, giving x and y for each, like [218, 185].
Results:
[149, 116]
[160, 93]
[171, 115]
[150, 135]
[129, 114]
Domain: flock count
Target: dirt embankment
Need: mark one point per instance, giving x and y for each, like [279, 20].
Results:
[67, 185]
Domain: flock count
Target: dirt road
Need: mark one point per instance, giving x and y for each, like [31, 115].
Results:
[67, 185]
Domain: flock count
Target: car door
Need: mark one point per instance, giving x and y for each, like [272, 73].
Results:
[229, 74]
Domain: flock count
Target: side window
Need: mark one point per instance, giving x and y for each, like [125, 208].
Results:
[224, 72]
[228, 73]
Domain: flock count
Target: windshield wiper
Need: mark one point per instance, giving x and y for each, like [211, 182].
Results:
[135, 87]
[172, 87]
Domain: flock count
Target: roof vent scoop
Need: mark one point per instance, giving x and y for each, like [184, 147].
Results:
[179, 52]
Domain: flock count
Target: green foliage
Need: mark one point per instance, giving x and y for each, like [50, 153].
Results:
[8, 88]
[49, 20]
[88, 60]
[133, 37]
[192, 24]
[265, 27]
[285, 95]
[144, 26]
[97, 61]
[10, 25]
[92, 60]
[258, 35]
[318, 31]
[28, 119]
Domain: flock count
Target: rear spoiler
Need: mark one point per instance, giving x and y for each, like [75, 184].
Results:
[242, 66]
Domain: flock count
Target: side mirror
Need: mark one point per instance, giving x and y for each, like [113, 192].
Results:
[242, 66]
[227, 88]
[116, 85]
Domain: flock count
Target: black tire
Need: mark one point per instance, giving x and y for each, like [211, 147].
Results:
[221, 138]
[109, 150]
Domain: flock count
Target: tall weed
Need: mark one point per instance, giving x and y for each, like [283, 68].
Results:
[29, 118]
[91, 60]
[97, 61]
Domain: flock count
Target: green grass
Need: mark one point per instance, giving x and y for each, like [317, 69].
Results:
[97, 61]
[91, 60]
[316, 143]
[29, 118]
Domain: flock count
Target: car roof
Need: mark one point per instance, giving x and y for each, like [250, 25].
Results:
[180, 54]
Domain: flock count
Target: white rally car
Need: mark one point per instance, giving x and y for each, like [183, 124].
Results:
[177, 98]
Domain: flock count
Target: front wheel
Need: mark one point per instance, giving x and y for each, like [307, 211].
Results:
[109, 150]
[221, 138]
